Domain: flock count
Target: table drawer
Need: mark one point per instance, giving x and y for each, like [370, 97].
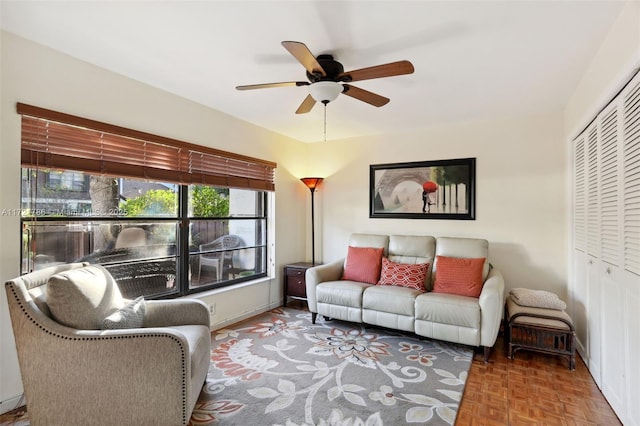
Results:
[293, 272]
[294, 280]
[296, 286]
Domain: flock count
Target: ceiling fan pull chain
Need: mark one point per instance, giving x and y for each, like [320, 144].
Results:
[325, 122]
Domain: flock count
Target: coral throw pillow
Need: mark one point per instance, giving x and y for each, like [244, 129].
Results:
[410, 275]
[459, 276]
[363, 264]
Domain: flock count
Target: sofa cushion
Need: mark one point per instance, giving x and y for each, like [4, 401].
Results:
[448, 309]
[461, 276]
[130, 316]
[363, 264]
[400, 301]
[83, 298]
[403, 274]
[342, 293]
[370, 240]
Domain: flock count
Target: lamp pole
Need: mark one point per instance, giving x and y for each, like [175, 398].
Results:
[312, 183]
[313, 231]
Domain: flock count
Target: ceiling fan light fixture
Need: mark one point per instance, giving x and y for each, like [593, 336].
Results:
[325, 91]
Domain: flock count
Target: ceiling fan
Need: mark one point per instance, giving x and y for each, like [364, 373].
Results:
[327, 78]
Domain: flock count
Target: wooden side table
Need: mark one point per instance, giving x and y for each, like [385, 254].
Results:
[294, 280]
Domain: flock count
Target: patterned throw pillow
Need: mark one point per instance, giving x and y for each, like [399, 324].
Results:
[363, 264]
[131, 316]
[459, 276]
[410, 275]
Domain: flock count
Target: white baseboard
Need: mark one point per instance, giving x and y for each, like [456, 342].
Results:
[584, 354]
[244, 315]
[11, 403]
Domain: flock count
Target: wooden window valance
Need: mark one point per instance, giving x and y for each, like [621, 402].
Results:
[61, 141]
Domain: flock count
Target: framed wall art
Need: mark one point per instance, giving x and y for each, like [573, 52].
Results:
[442, 189]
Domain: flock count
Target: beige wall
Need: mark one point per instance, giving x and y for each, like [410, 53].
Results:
[521, 198]
[617, 58]
[36, 75]
[521, 194]
[522, 163]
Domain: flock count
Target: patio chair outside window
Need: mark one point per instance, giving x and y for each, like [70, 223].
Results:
[219, 254]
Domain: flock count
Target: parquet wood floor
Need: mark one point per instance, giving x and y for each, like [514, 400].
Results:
[533, 389]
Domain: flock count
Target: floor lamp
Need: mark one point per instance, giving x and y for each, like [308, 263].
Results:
[312, 183]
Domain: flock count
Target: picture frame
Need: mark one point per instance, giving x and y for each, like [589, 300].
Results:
[441, 189]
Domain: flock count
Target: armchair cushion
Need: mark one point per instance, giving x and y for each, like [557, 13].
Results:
[130, 316]
[82, 298]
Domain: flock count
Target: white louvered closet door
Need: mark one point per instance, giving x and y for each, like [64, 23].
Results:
[632, 180]
[631, 246]
[594, 288]
[580, 293]
[605, 287]
[610, 273]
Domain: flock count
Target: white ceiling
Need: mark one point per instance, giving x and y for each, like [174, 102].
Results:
[473, 59]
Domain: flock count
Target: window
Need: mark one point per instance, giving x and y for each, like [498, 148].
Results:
[158, 238]
[227, 234]
[67, 181]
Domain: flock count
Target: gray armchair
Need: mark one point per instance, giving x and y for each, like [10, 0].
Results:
[150, 375]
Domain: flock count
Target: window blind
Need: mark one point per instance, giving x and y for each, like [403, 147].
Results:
[56, 140]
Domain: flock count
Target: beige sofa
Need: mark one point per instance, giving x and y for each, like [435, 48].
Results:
[150, 375]
[459, 319]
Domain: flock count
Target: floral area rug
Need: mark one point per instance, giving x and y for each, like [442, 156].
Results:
[280, 369]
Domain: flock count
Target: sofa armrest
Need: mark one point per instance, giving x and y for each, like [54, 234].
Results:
[491, 308]
[167, 313]
[318, 274]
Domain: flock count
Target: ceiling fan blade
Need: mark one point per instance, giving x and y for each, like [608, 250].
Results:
[302, 53]
[365, 96]
[306, 105]
[378, 71]
[268, 85]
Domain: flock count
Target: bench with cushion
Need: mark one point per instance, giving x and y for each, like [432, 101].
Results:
[537, 321]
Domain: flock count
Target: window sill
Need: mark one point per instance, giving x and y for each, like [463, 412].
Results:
[228, 288]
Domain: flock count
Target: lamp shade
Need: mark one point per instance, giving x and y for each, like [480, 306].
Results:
[325, 91]
[312, 182]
